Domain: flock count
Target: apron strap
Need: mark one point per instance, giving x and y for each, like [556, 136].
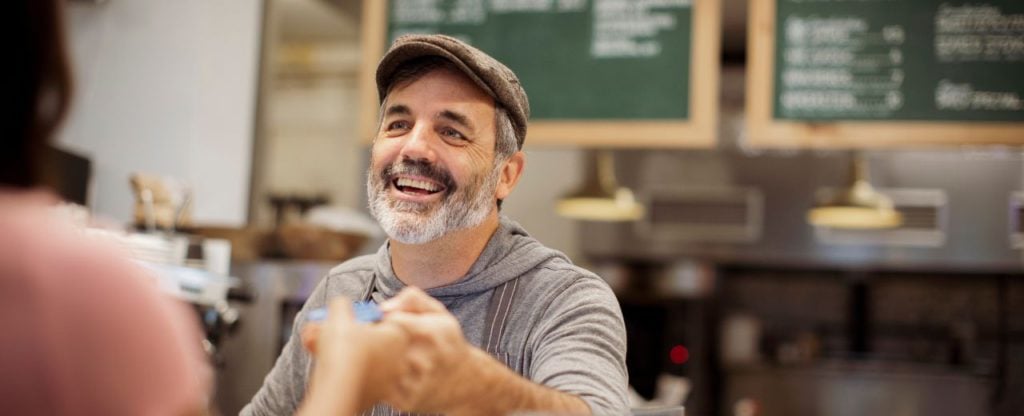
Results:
[497, 315]
[368, 292]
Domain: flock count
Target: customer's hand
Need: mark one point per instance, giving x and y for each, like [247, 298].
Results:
[356, 363]
[438, 377]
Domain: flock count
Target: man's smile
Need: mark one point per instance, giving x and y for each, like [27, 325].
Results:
[417, 185]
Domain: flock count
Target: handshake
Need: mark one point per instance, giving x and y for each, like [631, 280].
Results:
[413, 357]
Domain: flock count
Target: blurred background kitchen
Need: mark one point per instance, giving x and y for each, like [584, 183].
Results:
[224, 136]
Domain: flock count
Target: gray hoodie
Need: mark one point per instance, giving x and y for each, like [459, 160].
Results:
[564, 328]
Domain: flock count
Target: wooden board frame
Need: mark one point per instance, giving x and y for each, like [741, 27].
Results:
[699, 131]
[763, 130]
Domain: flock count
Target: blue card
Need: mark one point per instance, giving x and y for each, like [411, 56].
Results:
[366, 312]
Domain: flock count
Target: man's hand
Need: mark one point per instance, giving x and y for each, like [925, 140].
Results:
[445, 374]
[355, 363]
[438, 372]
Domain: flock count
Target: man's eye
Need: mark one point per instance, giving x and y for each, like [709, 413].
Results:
[398, 125]
[452, 133]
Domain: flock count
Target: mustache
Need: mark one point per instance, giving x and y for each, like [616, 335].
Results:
[419, 168]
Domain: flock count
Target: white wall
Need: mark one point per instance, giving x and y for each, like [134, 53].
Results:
[311, 142]
[166, 87]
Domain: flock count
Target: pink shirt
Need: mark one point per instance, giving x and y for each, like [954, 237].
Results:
[83, 330]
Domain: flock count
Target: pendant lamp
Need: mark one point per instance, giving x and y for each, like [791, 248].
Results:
[858, 206]
[600, 198]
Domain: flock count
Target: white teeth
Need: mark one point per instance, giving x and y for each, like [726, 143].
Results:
[412, 183]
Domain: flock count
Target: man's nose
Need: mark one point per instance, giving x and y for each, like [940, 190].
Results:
[418, 144]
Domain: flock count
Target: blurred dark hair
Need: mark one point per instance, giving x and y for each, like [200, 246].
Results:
[37, 88]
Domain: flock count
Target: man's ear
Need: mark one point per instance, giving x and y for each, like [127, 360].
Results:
[509, 176]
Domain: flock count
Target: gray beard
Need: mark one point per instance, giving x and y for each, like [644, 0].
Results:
[415, 223]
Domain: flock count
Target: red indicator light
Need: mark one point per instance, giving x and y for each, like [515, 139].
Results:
[679, 354]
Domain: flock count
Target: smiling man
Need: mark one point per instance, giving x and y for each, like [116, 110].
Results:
[498, 322]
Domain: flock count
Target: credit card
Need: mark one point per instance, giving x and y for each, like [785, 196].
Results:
[365, 312]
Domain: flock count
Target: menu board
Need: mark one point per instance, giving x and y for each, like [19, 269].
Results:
[619, 73]
[885, 73]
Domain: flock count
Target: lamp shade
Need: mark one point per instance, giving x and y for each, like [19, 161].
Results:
[858, 206]
[600, 198]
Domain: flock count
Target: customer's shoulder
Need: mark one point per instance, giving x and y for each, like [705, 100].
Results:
[41, 244]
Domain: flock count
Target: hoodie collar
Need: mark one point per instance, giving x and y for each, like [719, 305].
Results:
[510, 253]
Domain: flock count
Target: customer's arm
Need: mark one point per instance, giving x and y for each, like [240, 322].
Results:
[446, 374]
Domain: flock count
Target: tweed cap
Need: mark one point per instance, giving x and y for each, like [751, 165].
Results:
[490, 75]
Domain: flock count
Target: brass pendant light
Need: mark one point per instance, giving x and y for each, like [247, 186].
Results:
[600, 198]
[859, 206]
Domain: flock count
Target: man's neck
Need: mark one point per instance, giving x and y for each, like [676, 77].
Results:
[442, 261]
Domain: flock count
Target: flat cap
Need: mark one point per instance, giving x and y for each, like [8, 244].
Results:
[490, 75]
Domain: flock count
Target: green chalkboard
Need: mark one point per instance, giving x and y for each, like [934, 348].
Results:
[899, 60]
[577, 59]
